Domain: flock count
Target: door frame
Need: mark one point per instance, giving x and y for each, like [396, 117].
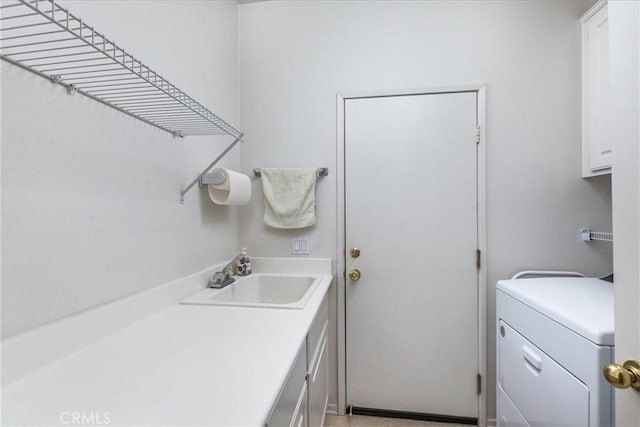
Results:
[341, 98]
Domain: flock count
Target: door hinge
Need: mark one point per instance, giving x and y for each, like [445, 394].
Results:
[478, 134]
[479, 384]
[344, 274]
[478, 254]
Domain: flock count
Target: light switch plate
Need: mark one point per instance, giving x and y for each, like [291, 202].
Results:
[300, 246]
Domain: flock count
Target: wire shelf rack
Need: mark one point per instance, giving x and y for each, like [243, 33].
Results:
[47, 39]
[588, 235]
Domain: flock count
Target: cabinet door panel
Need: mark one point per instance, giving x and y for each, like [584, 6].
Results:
[287, 409]
[317, 329]
[596, 141]
[319, 386]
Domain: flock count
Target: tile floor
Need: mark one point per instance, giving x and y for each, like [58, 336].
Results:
[363, 421]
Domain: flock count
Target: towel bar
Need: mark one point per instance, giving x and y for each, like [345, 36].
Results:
[320, 172]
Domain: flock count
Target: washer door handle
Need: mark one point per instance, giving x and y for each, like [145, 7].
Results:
[531, 357]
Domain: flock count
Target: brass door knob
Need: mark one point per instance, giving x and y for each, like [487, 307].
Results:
[355, 274]
[625, 376]
[354, 252]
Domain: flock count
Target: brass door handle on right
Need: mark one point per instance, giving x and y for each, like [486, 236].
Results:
[355, 274]
[625, 376]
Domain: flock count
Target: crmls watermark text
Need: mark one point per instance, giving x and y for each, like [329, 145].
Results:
[85, 418]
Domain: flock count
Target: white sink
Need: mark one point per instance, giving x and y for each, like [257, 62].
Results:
[260, 290]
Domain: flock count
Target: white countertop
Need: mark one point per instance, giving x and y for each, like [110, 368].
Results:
[185, 365]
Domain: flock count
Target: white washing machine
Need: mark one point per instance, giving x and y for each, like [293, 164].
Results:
[554, 336]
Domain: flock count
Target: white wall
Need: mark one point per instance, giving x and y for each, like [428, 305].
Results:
[296, 56]
[624, 42]
[90, 197]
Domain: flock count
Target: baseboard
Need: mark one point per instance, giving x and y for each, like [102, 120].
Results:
[332, 409]
[372, 412]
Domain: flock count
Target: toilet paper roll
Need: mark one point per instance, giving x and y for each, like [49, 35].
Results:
[235, 190]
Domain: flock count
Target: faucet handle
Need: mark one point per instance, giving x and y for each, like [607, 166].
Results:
[217, 279]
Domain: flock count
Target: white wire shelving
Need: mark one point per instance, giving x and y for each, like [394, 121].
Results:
[42, 37]
[588, 235]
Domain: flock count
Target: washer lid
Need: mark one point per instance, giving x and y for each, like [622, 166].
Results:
[584, 305]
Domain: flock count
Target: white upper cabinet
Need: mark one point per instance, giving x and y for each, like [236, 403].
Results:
[596, 144]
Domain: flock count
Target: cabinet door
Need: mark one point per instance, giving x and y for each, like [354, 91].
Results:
[301, 414]
[595, 113]
[319, 385]
[316, 330]
[292, 401]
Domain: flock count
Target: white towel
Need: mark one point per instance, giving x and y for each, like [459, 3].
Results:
[289, 197]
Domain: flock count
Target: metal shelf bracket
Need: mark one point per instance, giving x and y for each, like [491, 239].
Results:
[205, 170]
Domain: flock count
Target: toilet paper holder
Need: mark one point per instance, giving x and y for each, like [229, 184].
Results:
[198, 179]
[214, 178]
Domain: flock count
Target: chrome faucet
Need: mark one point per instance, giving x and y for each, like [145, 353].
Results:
[223, 277]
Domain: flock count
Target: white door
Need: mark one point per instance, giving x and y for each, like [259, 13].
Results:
[624, 26]
[411, 209]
